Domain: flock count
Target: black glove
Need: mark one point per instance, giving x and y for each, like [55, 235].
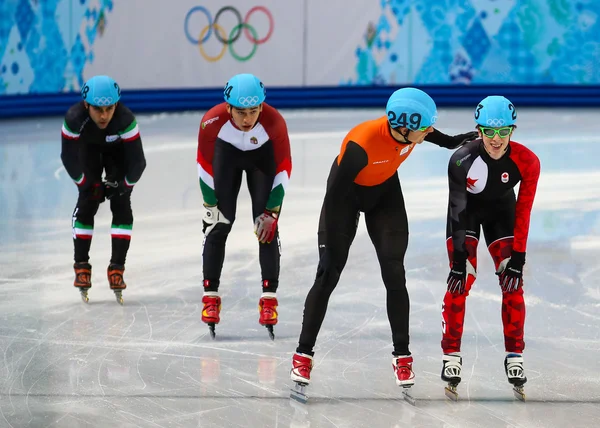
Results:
[114, 188]
[93, 191]
[461, 139]
[511, 277]
[457, 278]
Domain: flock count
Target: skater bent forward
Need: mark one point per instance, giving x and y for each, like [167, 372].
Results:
[242, 134]
[364, 178]
[101, 135]
[481, 176]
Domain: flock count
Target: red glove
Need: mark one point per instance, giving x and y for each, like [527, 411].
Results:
[265, 226]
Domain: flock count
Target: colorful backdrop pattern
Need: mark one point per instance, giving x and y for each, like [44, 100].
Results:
[481, 41]
[45, 44]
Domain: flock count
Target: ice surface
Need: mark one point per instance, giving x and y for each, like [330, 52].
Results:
[151, 362]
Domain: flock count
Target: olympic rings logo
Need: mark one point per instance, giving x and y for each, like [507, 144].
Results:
[248, 101]
[234, 35]
[495, 123]
[103, 101]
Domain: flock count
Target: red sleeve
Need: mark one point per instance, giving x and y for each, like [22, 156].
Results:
[211, 124]
[275, 125]
[529, 167]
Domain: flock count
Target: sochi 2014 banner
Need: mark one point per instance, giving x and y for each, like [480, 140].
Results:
[191, 43]
[55, 45]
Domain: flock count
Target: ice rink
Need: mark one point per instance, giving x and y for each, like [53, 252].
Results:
[151, 362]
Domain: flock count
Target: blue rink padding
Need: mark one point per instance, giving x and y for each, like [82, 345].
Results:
[175, 100]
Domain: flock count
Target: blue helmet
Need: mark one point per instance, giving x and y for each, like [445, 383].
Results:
[411, 108]
[495, 111]
[244, 91]
[101, 91]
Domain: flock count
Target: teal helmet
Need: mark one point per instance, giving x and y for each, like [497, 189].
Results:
[411, 108]
[101, 91]
[495, 111]
[244, 91]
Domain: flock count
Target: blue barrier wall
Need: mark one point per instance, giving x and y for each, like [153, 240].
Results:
[310, 97]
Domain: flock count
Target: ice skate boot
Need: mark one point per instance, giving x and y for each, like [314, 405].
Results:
[452, 366]
[267, 308]
[513, 367]
[404, 375]
[115, 280]
[83, 279]
[211, 310]
[300, 374]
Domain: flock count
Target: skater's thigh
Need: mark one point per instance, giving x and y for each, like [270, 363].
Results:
[227, 177]
[259, 186]
[387, 223]
[498, 229]
[337, 240]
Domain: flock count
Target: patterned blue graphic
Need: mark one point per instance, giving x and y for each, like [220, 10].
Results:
[45, 44]
[481, 41]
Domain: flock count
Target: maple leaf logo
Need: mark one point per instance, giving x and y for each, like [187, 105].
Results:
[471, 182]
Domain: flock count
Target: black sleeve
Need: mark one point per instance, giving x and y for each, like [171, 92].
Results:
[70, 158]
[450, 142]
[457, 184]
[69, 155]
[440, 139]
[135, 161]
[355, 158]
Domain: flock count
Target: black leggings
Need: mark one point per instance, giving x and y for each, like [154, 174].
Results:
[387, 225]
[228, 165]
[95, 160]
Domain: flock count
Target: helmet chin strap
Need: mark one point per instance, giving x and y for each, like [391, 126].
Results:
[404, 135]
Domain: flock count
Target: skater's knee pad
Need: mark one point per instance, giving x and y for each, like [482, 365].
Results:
[220, 231]
[125, 217]
[393, 275]
[327, 277]
[86, 211]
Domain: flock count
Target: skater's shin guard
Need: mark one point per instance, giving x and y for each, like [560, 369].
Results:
[121, 238]
[83, 226]
[82, 248]
[453, 318]
[513, 320]
[82, 240]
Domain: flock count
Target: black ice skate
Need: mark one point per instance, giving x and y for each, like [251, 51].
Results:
[452, 366]
[115, 281]
[83, 279]
[513, 367]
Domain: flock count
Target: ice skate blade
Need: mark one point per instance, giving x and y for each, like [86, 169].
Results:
[519, 393]
[298, 392]
[270, 329]
[84, 296]
[211, 330]
[450, 392]
[408, 397]
[119, 297]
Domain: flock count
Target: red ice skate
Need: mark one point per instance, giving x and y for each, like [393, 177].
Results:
[267, 308]
[403, 372]
[211, 310]
[300, 374]
[301, 367]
